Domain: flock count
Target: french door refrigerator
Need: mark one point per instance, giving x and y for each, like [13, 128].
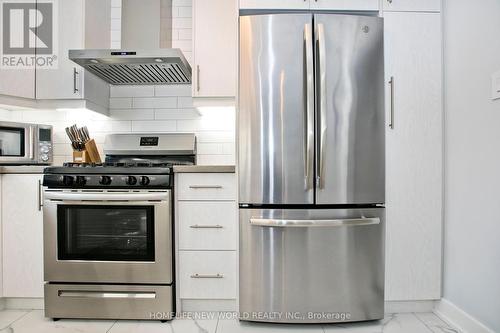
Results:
[311, 148]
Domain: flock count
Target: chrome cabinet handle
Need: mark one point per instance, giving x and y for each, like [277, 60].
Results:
[314, 223]
[198, 78]
[40, 201]
[196, 187]
[207, 226]
[207, 276]
[322, 102]
[105, 294]
[391, 83]
[75, 75]
[309, 122]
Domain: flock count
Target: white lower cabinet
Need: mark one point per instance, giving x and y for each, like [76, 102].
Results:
[207, 238]
[207, 274]
[22, 235]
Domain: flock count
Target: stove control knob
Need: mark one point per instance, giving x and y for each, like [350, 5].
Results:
[131, 180]
[67, 180]
[144, 180]
[105, 180]
[80, 180]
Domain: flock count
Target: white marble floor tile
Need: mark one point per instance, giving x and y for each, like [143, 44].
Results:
[392, 323]
[435, 324]
[7, 317]
[36, 322]
[235, 326]
[175, 326]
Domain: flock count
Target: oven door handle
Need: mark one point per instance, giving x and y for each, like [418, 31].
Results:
[105, 196]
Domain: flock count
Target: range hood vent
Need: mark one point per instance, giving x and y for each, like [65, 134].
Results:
[126, 67]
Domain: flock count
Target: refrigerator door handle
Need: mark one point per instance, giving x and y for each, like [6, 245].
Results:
[322, 102]
[309, 116]
[257, 221]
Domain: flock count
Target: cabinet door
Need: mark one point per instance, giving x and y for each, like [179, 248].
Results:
[414, 164]
[345, 4]
[215, 48]
[17, 81]
[22, 230]
[412, 5]
[274, 4]
[64, 82]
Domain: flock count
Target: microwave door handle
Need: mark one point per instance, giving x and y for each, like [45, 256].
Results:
[363, 221]
[322, 102]
[31, 144]
[309, 116]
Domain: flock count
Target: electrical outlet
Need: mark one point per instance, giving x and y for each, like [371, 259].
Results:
[495, 85]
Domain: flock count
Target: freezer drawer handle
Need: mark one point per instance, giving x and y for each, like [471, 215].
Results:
[207, 226]
[195, 187]
[314, 223]
[207, 276]
[106, 294]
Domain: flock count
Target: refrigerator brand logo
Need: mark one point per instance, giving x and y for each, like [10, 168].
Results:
[29, 34]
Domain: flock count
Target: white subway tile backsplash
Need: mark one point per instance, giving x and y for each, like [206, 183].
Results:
[120, 103]
[176, 114]
[154, 126]
[185, 102]
[116, 12]
[215, 159]
[184, 11]
[132, 114]
[154, 102]
[116, 3]
[132, 91]
[184, 34]
[182, 23]
[173, 90]
[229, 148]
[216, 136]
[209, 148]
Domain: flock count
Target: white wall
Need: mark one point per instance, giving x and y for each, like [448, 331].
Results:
[472, 189]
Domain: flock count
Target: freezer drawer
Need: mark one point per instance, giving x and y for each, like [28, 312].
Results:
[312, 265]
[108, 301]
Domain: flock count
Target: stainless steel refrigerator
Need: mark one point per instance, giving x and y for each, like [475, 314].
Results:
[311, 152]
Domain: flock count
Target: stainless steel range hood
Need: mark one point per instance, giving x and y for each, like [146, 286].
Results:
[129, 67]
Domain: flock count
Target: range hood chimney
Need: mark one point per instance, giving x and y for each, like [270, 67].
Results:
[146, 56]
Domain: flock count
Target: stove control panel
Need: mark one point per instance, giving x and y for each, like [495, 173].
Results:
[107, 181]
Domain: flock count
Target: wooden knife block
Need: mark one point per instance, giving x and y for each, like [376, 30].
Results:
[89, 155]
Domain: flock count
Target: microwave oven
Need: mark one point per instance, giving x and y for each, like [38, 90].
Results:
[27, 144]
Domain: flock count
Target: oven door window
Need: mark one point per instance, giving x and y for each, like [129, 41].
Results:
[105, 233]
[11, 141]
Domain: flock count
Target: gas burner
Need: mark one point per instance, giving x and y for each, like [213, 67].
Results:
[80, 165]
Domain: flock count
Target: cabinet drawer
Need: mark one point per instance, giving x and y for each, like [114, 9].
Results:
[207, 274]
[206, 186]
[207, 225]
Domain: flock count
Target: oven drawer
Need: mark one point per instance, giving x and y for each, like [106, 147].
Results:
[202, 186]
[207, 274]
[207, 225]
[108, 301]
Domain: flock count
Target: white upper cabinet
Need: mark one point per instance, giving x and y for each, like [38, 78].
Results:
[311, 4]
[215, 27]
[414, 167]
[65, 81]
[412, 5]
[68, 80]
[18, 82]
[345, 4]
[22, 235]
[274, 4]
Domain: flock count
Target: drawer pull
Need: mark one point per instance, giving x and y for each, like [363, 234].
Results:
[197, 226]
[207, 276]
[195, 187]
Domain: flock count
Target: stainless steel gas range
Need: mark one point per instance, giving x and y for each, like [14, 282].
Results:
[108, 230]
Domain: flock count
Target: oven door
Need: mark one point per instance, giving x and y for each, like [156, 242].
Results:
[104, 236]
[17, 143]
